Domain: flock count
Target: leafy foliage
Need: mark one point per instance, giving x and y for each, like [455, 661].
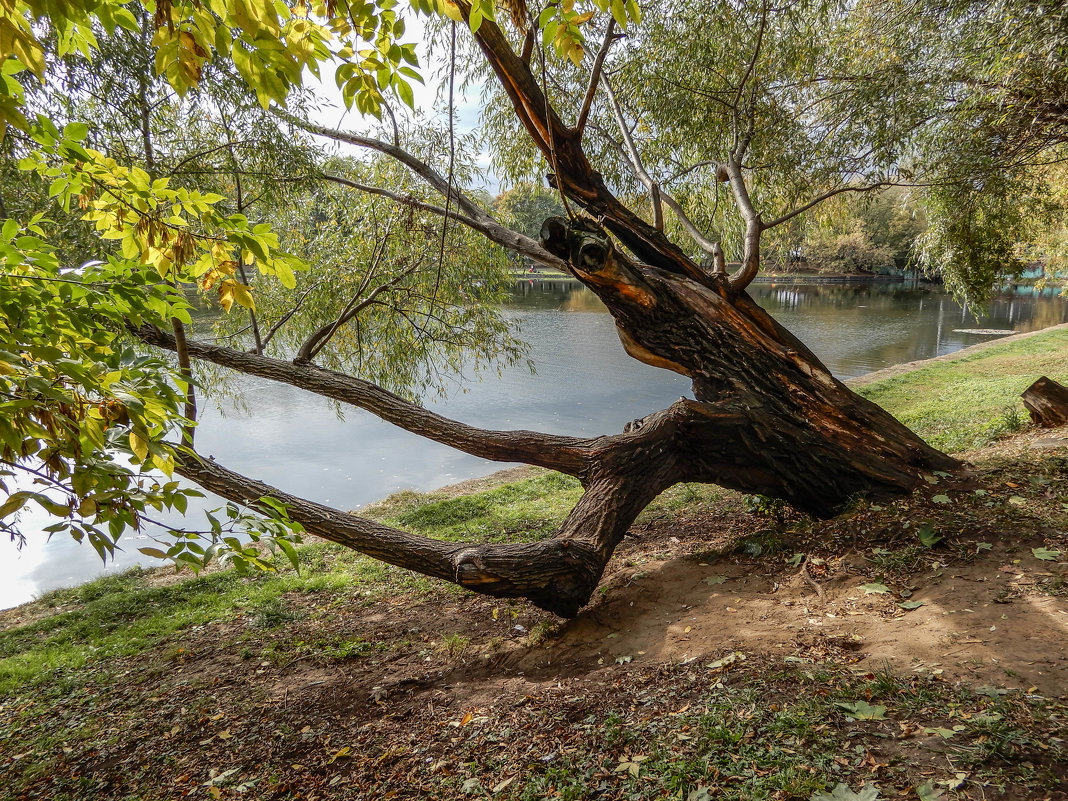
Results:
[70, 400]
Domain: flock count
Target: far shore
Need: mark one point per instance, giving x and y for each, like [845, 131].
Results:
[971, 350]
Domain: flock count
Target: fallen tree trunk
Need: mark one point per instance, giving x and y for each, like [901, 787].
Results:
[1047, 403]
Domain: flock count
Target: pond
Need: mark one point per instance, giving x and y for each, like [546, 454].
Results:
[585, 384]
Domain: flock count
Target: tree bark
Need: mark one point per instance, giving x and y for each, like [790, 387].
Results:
[768, 418]
[1047, 402]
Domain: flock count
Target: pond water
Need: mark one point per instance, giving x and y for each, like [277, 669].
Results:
[585, 384]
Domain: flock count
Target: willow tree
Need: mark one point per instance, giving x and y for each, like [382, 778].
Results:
[736, 104]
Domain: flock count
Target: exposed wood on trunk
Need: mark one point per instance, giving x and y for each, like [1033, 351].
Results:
[1047, 402]
[769, 417]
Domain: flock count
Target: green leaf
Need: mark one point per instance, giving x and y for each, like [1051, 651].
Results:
[77, 131]
[909, 605]
[945, 734]
[928, 792]
[290, 552]
[1046, 554]
[875, 587]
[862, 710]
[928, 536]
[155, 553]
[404, 91]
[14, 503]
[841, 792]
[940, 499]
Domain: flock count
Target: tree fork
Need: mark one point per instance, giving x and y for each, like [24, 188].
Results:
[769, 418]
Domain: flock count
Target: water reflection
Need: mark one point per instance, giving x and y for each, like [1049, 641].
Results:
[858, 328]
[585, 384]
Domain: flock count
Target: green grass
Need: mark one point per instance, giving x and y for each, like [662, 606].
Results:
[525, 510]
[124, 614]
[969, 402]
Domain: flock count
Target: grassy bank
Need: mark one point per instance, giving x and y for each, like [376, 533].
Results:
[968, 402]
[734, 649]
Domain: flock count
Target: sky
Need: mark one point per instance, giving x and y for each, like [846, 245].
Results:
[431, 99]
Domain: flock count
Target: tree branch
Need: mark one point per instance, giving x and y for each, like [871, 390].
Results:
[561, 146]
[655, 190]
[317, 341]
[485, 225]
[595, 77]
[558, 574]
[749, 71]
[827, 195]
[285, 317]
[412, 162]
[569, 455]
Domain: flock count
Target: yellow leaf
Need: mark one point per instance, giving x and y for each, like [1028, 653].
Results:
[285, 275]
[452, 10]
[341, 753]
[87, 508]
[243, 296]
[226, 295]
[165, 463]
[139, 444]
[575, 53]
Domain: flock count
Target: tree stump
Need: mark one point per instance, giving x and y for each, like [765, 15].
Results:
[1047, 401]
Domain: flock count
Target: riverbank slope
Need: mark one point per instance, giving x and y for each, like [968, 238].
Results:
[735, 650]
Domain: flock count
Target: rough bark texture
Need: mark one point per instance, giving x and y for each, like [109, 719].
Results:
[1047, 402]
[768, 417]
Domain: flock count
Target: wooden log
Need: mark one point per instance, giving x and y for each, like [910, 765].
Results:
[1047, 401]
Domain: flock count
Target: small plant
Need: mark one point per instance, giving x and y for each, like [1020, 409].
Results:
[900, 561]
[273, 613]
[348, 649]
[765, 541]
[1056, 586]
[454, 645]
[545, 630]
[763, 506]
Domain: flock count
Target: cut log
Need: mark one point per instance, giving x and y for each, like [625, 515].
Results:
[1047, 401]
